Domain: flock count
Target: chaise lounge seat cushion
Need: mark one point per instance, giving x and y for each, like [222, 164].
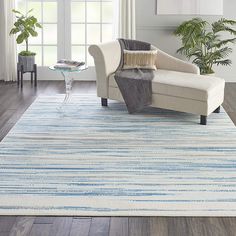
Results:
[183, 85]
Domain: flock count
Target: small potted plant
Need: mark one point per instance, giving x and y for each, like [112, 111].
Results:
[203, 42]
[25, 27]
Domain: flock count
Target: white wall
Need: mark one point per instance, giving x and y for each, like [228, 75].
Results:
[159, 30]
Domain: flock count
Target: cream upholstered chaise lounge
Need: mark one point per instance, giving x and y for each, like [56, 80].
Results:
[177, 84]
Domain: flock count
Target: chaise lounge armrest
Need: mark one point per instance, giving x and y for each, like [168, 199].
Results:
[107, 59]
[168, 62]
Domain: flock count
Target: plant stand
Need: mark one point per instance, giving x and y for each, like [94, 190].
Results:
[21, 72]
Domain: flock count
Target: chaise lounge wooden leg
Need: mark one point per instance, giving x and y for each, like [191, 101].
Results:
[104, 102]
[217, 110]
[203, 120]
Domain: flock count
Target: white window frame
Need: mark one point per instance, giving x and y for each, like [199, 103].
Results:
[69, 23]
[64, 42]
[42, 44]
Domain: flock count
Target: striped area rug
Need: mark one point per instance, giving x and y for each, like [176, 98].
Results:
[85, 160]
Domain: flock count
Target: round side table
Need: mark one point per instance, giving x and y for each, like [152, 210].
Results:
[68, 79]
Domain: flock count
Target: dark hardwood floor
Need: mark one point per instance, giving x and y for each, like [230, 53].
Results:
[14, 102]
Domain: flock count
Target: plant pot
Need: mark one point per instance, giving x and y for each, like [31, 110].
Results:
[27, 62]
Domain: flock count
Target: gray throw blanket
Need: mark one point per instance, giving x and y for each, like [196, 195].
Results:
[135, 84]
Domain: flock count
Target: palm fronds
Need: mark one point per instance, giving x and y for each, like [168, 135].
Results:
[206, 46]
[189, 30]
[225, 42]
[226, 62]
[224, 25]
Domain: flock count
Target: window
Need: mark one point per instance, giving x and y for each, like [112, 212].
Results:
[91, 23]
[45, 45]
[69, 28]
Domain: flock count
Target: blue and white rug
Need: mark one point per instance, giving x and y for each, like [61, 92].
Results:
[89, 160]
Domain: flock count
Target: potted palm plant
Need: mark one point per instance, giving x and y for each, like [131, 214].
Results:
[204, 43]
[25, 27]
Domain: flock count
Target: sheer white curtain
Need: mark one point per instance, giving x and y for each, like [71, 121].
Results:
[127, 24]
[7, 43]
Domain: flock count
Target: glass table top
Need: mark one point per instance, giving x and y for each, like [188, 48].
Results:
[77, 69]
